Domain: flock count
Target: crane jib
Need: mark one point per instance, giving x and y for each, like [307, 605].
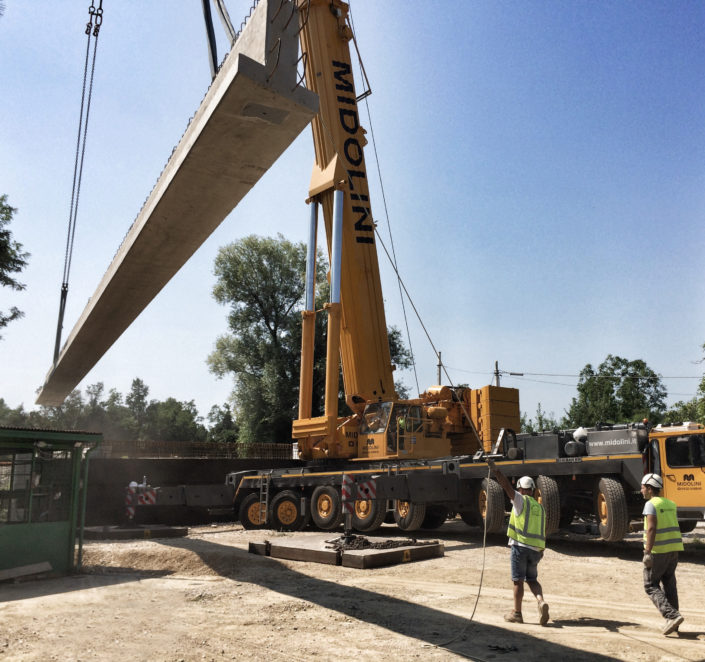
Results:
[352, 151]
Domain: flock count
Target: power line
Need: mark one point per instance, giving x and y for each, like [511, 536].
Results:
[506, 373]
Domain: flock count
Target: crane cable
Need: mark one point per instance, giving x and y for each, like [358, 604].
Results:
[461, 633]
[393, 259]
[402, 289]
[95, 20]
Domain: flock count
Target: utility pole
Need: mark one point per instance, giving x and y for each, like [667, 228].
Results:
[496, 373]
[440, 365]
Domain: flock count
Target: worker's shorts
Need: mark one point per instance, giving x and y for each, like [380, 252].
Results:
[525, 562]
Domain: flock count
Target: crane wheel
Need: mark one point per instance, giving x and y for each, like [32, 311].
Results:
[687, 525]
[326, 511]
[611, 509]
[250, 514]
[409, 515]
[286, 512]
[549, 497]
[490, 502]
[435, 516]
[471, 517]
[368, 515]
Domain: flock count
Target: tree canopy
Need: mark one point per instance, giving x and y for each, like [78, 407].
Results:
[542, 421]
[132, 418]
[12, 260]
[619, 391]
[262, 281]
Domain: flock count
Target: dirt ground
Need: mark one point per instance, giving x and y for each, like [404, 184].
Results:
[205, 597]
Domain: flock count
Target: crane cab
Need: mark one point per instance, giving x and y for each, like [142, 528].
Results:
[677, 453]
[401, 429]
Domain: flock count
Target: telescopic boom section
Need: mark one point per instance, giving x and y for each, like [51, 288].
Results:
[340, 165]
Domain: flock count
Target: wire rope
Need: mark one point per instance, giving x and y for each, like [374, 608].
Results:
[95, 20]
[389, 226]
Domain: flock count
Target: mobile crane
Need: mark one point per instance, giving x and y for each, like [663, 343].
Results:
[357, 331]
[418, 459]
[439, 422]
[424, 455]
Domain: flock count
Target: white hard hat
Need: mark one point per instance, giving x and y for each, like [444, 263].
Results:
[526, 483]
[653, 480]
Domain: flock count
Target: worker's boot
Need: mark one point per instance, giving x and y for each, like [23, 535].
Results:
[672, 624]
[543, 612]
[514, 617]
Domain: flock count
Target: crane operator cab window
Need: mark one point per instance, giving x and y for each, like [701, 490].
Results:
[375, 418]
[654, 458]
[686, 451]
[396, 433]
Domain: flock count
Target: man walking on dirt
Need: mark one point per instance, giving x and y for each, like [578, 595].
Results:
[662, 542]
[527, 539]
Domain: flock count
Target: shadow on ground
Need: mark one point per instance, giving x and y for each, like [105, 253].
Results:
[431, 627]
[96, 577]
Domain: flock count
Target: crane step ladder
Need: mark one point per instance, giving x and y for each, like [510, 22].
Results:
[264, 482]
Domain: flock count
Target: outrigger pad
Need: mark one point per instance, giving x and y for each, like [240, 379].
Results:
[252, 112]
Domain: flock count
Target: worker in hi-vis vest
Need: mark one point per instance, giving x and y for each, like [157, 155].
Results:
[662, 542]
[527, 539]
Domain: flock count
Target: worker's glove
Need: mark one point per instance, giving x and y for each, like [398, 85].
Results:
[648, 560]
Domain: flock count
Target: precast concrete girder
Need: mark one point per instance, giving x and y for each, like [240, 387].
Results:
[252, 112]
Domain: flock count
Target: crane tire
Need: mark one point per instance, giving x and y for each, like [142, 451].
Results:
[490, 501]
[326, 507]
[368, 515]
[471, 517]
[409, 515]
[435, 517]
[249, 512]
[687, 525]
[611, 509]
[286, 512]
[549, 497]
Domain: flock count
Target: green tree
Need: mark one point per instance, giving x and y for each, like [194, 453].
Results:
[223, 428]
[262, 281]
[12, 260]
[12, 417]
[95, 407]
[118, 421]
[619, 391]
[543, 421]
[401, 358]
[137, 404]
[68, 416]
[172, 420]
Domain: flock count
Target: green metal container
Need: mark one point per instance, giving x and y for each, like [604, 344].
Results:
[43, 476]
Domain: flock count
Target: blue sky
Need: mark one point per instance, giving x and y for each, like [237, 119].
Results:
[543, 167]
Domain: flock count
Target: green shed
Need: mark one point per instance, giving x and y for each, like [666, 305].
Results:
[43, 476]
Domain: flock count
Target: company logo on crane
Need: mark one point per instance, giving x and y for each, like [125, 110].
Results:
[352, 151]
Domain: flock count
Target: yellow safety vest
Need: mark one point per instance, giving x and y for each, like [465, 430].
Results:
[529, 528]
[668, 533]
